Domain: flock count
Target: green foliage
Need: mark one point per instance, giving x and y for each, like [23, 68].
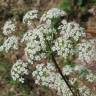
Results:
[4, 68]
[65, 5]
[94, 1]
[4, 76]
[11, 94]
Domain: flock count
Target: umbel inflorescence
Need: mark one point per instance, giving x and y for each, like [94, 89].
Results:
[52, 36]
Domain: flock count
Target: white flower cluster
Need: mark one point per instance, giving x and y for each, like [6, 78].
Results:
[34, 53]
[63, 47]
[45, 74]
[47, 31]
[9, 44]
[87, 51]
[70, 34]
[66, 43]
[35, 45]
[9, 27]
[71, 31]
[41, 30]
[35, 42]
[30, 15]
[52, 14]
[18, 71]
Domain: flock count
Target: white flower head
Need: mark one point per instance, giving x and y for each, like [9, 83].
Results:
[63, 47]
[35, 45]
[9, 27]
[87, 51]
[10, 44]
[52, 14]
[18, 71]
[35, 42]
[30, 15]
[71, 30]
